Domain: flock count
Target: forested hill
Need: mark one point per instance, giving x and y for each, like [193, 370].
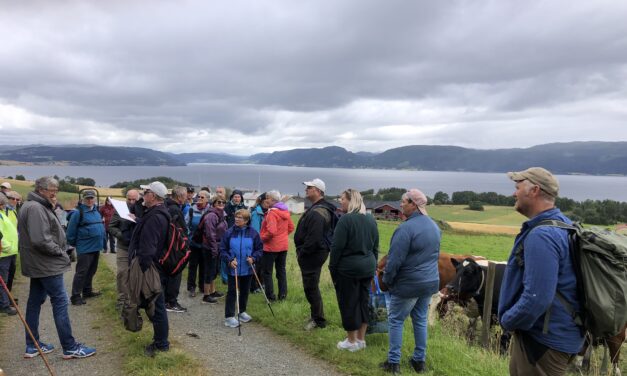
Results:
[596, 158]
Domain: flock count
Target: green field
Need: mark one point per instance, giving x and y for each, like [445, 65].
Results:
[492, 215]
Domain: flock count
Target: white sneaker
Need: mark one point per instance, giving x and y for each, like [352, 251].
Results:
[346, 345]
[244, 317]
[362, 344]
[231, 322]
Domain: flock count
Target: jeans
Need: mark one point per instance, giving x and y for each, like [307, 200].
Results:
[40, 288]
[86, 268]
[172, 287]
[110, 241]
[196, 268]
[243, 283]
[159, 320]
[268, 260]
[5, 268]
[400, 308]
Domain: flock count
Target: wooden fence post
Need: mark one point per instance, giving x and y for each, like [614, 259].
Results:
[487, 305]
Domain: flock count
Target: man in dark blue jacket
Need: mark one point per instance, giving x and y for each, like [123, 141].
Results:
[539, 265]
[412, 276]
[147, 243]
[86, 232]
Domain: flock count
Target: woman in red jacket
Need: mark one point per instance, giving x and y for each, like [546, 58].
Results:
[274, 234]
[107, 211]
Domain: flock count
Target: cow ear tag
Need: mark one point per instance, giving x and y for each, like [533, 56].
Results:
[465, 263]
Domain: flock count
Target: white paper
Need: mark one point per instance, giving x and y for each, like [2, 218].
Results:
[122, 209]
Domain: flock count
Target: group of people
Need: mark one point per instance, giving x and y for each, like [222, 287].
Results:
[254, 241]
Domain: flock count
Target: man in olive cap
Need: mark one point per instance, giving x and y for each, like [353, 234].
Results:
[539, 282]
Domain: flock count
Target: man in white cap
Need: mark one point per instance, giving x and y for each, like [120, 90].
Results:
[313, 238]
[539, 282]
[147, 244]
[5, 187]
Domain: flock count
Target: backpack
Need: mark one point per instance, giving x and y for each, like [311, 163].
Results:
[176, 253]
[600, 263]
[331, 218]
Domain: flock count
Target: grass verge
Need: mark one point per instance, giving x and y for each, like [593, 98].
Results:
[131, 345]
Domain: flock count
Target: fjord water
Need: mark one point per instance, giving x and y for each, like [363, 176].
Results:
[289, 179]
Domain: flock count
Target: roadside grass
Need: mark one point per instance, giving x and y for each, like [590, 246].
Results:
[130, 345]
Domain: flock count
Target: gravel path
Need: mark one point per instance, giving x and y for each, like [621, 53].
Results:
[222, 352]
[86, 328]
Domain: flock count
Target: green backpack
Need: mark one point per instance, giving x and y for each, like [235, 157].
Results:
[600, 262]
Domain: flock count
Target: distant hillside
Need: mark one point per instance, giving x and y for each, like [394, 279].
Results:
[209, 158]
[595, 158]
[90, 156]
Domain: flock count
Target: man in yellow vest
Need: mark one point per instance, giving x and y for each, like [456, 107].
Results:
[8, 253]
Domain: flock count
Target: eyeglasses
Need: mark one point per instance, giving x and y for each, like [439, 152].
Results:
[12, 198]
[202, 197]
[52, 190]
[238, 217]
[220, 202]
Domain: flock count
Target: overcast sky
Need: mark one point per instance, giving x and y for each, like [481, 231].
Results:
[256, 76]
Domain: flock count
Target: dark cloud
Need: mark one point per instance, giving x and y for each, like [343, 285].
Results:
[277, 75]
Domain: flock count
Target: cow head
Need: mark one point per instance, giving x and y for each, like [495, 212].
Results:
[469, 279]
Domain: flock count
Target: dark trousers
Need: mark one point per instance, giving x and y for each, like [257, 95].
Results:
[268, 261]
[244, 288]
[549, 363]
[310, 268]
[352, 300]
[212, 266]
[86, 267]
[9, 280]
[196, 269]
[5, 266]
[253, 284]
[110, 241]
[172, 285]
[160, 321]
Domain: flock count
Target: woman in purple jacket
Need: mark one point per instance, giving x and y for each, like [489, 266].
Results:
[214, 226]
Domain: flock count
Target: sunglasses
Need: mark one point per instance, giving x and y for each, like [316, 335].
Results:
[220, 202]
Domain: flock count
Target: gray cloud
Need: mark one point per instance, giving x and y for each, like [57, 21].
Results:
[245, 77]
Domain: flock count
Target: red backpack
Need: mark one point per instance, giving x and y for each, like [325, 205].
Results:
[176, 252]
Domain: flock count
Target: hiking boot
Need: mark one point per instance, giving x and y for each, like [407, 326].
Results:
[80, 351]
[393, 368]
[209, 299]
[271, 298]
[91, 294]
[231, 322]
[216, 294]
[77, 300]
[418, 365]
[176, 307]
[31, 351]
[347, 345]
[244, 317]
[152, 349]
[11, 311]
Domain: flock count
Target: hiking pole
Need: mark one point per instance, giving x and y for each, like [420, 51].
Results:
[263, 291]
[30, 333]
[239, 324]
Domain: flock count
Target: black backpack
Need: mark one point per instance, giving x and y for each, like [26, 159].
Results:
[600, 263]
[197, 236]
[331, 218]
[176, 251]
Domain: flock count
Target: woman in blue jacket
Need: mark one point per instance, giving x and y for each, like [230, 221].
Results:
[240, 247]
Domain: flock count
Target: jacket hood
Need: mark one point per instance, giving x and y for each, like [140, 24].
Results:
[281, 206]
[34, 196]
[326, 204]
[219, 212]
[236, 192]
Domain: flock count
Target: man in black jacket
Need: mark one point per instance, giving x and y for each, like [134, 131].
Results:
[147, 243]
[122, 230]
[173, 284]
[312, 250]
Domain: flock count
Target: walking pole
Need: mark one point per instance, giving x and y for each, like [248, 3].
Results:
[263, 291]
[239, 324]
[43, 356]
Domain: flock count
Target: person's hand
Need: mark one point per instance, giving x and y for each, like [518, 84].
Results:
[250, 260]
[233, 264]
[131, 215]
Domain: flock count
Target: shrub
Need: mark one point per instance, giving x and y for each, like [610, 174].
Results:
[475, 205]
[20, 177]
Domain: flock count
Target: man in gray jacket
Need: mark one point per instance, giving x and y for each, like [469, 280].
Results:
[42, 247]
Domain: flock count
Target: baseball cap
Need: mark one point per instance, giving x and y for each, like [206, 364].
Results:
[6, 185]
[418, 198]
[538, 176]
[316, 183]
[190, 189]
[89, 194]
[156, 187]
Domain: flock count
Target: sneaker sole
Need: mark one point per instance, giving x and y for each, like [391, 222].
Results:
[175, 311]
[30, 356]
[209, 302]
[69, 357]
